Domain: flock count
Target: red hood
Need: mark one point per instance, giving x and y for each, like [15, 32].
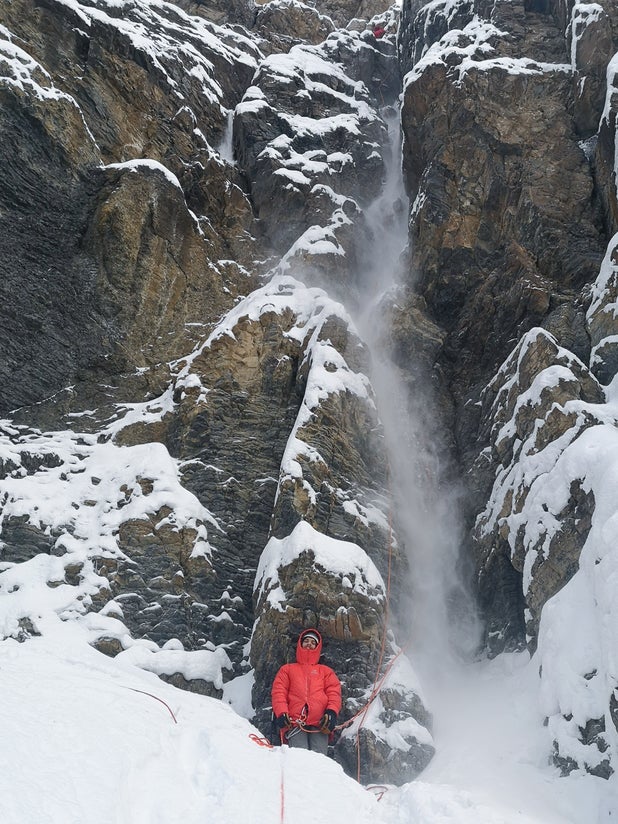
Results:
[308, 656]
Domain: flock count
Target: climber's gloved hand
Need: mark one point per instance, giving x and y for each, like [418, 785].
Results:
[329, 721]
[282, 722]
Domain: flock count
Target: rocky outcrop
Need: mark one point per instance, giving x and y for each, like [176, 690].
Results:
[601, 317]
[541, 397]
[286, 24]
[155, 272]
[304, 129]
[501, 244]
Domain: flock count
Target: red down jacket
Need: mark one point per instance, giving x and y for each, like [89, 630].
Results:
[306, 683]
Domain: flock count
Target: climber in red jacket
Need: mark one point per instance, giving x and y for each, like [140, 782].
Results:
[306, 697]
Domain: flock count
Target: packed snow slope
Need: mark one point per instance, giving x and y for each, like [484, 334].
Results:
[87, 739]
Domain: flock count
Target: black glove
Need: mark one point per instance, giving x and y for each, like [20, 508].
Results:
[329, 721]
[282, 722]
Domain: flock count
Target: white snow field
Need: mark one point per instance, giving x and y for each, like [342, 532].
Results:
[87, 739]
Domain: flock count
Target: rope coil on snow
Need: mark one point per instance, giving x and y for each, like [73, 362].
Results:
[260, 740]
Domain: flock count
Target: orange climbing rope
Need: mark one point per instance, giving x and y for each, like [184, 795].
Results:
[156, 698]
[378, 681]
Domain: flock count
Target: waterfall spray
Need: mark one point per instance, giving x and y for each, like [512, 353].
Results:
[426, 503]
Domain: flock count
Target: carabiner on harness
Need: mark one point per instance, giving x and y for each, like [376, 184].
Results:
[297, 724]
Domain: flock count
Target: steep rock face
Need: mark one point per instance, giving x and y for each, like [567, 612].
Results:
[241, 12]
[342, 12]
[501, 244]
[606, 148]
[45, 197]
[106, 63]
[491, 215]
[509, 121]
[283, 358]
[285, 24]
[265, 436]
[589, 37]
[83, 93]
[155, 271]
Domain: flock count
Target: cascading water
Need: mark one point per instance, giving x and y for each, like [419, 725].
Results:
[440, 616]
[226, 147]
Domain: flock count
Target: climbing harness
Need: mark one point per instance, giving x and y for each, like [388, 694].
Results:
[299, 725]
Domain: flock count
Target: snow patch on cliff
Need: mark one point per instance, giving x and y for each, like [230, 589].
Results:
[473, 49]
[342, 560]
[73, 495]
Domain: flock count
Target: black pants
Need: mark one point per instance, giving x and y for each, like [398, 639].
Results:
[315, 741]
